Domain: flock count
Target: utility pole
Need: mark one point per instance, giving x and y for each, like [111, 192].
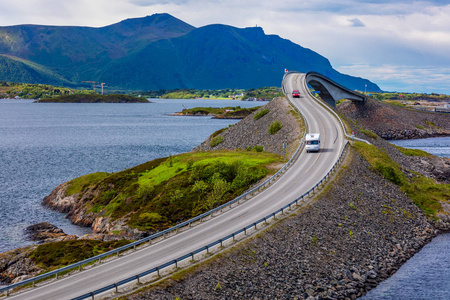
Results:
[93, 85]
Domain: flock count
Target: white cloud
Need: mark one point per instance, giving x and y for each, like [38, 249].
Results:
[371, 32]
[404, 78]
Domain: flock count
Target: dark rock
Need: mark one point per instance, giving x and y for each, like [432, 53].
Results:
[43, 231]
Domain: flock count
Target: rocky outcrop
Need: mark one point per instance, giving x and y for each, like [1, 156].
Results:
[250, 132]
[15, 265]
[45, 232]
[395, 123]
[103, 228]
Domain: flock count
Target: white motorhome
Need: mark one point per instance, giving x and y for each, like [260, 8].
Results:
[313, 142]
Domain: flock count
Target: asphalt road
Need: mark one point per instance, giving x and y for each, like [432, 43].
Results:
[303, 175]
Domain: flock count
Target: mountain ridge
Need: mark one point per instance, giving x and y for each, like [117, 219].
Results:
[163, 52]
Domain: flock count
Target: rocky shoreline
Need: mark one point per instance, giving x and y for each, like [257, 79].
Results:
[358, 232]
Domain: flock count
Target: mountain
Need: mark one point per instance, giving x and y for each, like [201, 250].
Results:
[20, 70]
[162, 52]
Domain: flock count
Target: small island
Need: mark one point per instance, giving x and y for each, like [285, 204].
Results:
[94, 98]
[235, 112]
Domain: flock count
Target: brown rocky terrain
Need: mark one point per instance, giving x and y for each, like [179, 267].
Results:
[250, 132]
[15, 265]
[395, 123]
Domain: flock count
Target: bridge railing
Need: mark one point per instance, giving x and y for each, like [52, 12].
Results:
[160, 234]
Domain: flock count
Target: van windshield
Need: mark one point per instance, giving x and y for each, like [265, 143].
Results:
[312, 142]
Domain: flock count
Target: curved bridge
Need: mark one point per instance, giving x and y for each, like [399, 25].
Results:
[331, 91]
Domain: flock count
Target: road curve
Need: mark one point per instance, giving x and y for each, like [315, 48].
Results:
[303, 175]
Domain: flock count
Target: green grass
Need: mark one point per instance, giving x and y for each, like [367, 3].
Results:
[261, 114]
[221, 112]
[413, 152]
[425, 192]
[77, 185]
[216, 141]
[369, 133]
[167, 191]
[275, 127]
[58, 254]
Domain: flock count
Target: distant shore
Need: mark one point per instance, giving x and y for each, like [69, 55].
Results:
[95, 98]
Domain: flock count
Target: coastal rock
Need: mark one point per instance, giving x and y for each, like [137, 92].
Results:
[59, 201]
[43, 231]
[15, 265]
[395, 123]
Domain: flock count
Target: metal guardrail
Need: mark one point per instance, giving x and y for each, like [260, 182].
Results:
[163, 233]
[206, 248]
[233, 235]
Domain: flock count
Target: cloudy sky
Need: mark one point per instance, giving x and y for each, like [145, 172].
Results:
[401, 45]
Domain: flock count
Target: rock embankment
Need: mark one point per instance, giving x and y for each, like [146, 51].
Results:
[396, 123]
[358, 233]
[250, 132]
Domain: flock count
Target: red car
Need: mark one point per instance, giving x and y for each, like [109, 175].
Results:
[295, 94]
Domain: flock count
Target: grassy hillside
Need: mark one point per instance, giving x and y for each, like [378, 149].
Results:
[35, 91]
[15, 69]
[163, 192]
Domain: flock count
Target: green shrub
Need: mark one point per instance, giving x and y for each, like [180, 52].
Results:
[216, 141]
[412, 152]
[64, 253]
[259, 148]
[275, 127]
[261, 114]
[369, 133]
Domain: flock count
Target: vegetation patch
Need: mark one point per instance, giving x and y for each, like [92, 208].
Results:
[234, 112]
[413, 152]
[275, 127]
[425, 192]
[369, 133]
[164, 192]
[257, 148]
[216, 141]
[79, 184]
[267, 93]
[216, 133]
[59, 254]
[261, 114]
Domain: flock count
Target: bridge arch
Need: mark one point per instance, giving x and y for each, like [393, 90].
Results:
[331, 91]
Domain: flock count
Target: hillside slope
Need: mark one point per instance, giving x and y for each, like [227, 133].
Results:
[393, 122]
[163, 52]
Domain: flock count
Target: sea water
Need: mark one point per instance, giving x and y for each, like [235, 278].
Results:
[426, 275]
[45, 144]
